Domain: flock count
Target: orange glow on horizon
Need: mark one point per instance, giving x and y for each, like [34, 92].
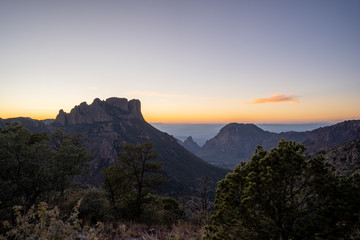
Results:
[31, 113]
[33, 116]
[257, 114]
[202, 119]
[231, 119]
[197, 119]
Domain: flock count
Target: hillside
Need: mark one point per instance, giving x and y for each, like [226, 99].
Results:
[107, 124]
[345, 158]
[237, 142]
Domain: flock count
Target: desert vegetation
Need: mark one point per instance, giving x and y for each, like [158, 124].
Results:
[279, 194]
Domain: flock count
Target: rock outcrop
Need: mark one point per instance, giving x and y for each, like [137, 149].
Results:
[100, 111]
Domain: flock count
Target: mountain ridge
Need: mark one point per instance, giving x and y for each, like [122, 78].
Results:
[237, 142]
[114, 120]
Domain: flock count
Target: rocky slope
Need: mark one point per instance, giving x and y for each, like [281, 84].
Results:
[345, 158]
[237, 142]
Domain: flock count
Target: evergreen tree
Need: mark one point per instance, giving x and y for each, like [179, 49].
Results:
[134, 176]
[34, 167]
[281, 195]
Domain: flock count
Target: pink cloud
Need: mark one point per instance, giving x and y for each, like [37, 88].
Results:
[278, 98]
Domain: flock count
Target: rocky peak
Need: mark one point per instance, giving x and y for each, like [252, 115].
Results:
[191, 145]
[235, 132]
[101, 111]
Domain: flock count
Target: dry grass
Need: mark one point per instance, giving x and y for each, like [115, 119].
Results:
[136, 231]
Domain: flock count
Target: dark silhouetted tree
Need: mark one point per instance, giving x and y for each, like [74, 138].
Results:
[34, 167]
[281, 195]
[134, 176]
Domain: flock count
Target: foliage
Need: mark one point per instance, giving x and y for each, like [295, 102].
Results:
[165, 211]
[36, 167]
[172, 210]
[45, 223]
[94, 206]
[281, 195]
[131, 180]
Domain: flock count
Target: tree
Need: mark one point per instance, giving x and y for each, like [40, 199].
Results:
[204, 188]
[281, 195]
[35, 167]
[69, 159]
[133, 177]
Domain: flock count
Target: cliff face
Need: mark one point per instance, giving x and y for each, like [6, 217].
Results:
[100, 111]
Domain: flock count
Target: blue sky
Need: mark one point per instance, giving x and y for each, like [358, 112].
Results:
[187, 61]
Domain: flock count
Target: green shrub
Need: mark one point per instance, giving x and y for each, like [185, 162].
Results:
[94, 206]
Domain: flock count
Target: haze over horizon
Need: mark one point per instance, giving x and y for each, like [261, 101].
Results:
[186, 61]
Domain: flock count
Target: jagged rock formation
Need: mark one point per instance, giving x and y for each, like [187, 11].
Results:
[100, 111]
[191, 145]
[237, 142]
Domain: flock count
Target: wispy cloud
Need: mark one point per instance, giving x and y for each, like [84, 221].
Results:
[155, 94]
[277, 98]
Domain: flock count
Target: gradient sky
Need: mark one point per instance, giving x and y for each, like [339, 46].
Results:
[186, 61]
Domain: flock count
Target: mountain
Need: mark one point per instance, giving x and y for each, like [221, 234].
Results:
[332, 136]
[107, 124]
[191, 145]
[237, 142]
[234, 142]
[30, 124]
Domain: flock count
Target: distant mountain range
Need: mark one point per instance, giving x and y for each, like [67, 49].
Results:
[200, 133]
[237, 142]
[107, 124]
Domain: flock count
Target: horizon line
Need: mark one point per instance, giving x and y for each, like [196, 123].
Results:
[219, 122]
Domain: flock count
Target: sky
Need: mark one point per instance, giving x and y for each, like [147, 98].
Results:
[186, 61]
